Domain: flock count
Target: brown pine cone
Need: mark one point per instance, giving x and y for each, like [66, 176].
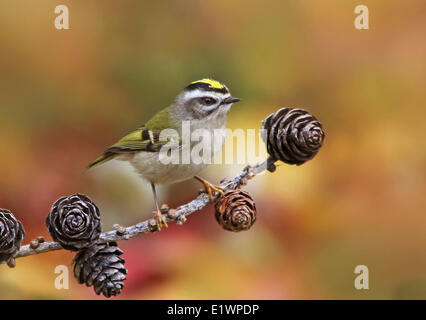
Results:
[235, 210]
[101, 267]
[11, 234]
[292, 135]
[74, 222]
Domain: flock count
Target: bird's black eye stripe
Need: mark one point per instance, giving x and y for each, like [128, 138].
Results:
[208, 101]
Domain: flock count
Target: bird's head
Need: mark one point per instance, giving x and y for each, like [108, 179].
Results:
[204, 99]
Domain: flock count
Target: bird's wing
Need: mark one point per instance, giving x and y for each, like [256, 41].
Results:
[141, 139]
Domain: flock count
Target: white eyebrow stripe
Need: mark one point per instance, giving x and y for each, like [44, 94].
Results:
[197, 93]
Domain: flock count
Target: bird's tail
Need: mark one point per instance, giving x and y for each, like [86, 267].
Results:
[102, 159]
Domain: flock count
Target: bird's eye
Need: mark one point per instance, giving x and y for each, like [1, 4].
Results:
[208, 101]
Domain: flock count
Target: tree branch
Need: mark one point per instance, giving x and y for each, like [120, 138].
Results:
[149, 225]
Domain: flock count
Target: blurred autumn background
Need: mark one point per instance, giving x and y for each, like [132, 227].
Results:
[65, 95]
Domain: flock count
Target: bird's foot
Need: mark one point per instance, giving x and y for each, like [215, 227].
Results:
[211, 189]
[160, 220]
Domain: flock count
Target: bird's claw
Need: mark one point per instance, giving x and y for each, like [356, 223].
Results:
[210, 188]
[160, 220]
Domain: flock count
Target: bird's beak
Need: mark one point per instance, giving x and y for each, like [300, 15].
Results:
[230, 100]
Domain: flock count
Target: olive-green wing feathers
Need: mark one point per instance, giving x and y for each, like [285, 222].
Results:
[142, 139]
[145, 138]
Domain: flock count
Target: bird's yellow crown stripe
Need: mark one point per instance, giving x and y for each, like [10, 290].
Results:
[212, 83]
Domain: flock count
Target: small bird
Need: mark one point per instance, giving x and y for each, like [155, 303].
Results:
[204, 104]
